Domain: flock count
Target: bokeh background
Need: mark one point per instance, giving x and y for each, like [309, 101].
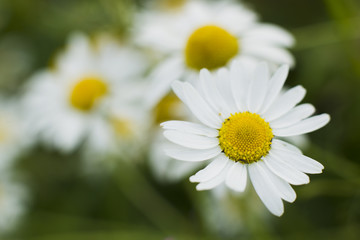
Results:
[64, 203]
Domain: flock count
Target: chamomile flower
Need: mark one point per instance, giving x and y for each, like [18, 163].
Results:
[208, 35]
[243, 115]
[80, 97]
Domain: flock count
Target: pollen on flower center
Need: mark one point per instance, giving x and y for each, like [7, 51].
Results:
[210, 47]
[86, 92]
[245, 137]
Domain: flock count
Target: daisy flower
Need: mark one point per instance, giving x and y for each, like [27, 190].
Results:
[84, 96]
[243, 115]
[208, 35]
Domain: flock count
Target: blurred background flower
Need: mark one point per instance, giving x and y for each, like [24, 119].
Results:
[204, 34]
[58, 196]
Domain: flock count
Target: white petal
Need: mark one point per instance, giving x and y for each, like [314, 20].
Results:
[279, 144]
[223, 83]
[161, 80]
[214, 181]
[208, 89]
[190, 127]
[190, 140]
[285, 103]
[298, 161]
[275, 85]
[270, 34]
[258, 87]
[236, 178]
[265, 189]
[284, 189]
[304, 126]
[295, 115]
[211, 170]
[69, 131]
[284, 170]
[178, 89]
[239, 85]
[273, 54]
[211, 92]
[200, 108]
[192, 155]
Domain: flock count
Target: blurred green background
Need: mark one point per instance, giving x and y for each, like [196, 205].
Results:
[131, 204]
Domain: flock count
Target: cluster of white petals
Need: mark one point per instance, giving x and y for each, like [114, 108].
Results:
[234, 91]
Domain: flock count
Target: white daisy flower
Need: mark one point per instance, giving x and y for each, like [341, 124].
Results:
[81, 97]
[243, 115]
[207, 35]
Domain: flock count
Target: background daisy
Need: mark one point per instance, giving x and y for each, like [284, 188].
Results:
[202, 34]
[79, 97]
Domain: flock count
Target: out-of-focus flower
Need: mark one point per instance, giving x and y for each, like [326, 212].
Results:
[207, 35]
[13, 139]
[243, 114]
[91, 96]
[13, 198]
[164, 168]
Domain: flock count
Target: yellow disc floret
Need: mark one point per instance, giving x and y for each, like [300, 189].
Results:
[210, 47]
[87, 92]
[245, 137]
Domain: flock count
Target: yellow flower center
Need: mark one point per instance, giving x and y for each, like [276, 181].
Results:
[210, 47]
[245, 137]
[87, 92]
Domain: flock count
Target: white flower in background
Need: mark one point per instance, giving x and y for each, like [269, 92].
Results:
[164, 168]
[208, 35]
[13, 198]
[12, 133]
[243, 115]
[13, 141]
[123, 136]
[86, 98]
